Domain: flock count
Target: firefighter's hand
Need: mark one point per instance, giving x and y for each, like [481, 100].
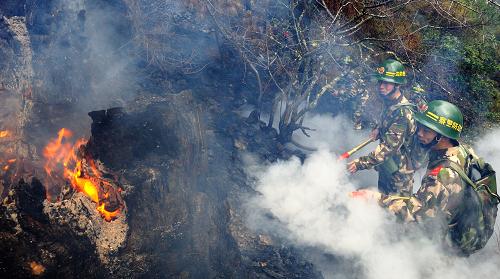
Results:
[374, 134]
[366, 194]
[351, 167]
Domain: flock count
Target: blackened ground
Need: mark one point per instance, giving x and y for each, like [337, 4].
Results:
[28, 239]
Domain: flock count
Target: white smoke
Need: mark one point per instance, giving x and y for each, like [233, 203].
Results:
[488, 147]
[337, 135]
[114, 81]
[308, 204]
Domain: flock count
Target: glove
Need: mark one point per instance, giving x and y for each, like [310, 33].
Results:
[352, 167]
[365, 194]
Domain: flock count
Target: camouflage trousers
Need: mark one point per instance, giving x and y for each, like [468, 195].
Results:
[398, 183]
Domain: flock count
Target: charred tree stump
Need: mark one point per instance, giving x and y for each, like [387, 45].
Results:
[177, 219]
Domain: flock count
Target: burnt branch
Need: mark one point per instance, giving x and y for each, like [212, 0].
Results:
[300, 50]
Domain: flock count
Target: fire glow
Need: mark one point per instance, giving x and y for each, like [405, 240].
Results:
[4, 133]
[7, 164]
[59, 152]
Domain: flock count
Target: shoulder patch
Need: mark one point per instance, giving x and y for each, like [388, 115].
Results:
[436, 170]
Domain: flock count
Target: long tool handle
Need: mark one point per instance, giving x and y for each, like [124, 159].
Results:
[355, 149]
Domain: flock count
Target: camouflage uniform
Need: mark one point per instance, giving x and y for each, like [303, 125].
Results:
[441, 201]
[360, 106]
[391, 158]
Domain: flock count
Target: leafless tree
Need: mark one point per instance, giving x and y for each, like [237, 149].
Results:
[298, 50]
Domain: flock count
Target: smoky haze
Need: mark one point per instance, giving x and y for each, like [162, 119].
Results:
[82, 61]
[307, 205]
[110, 57]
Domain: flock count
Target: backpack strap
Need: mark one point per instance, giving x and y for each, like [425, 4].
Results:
[456, 167]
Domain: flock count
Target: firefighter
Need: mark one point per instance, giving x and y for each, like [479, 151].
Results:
[391, 158]
[460, 216]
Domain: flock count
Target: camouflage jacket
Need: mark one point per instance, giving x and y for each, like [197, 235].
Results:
[396, 130]
[440, 201]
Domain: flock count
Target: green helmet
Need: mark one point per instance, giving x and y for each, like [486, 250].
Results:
[391, 71]
[442, 117]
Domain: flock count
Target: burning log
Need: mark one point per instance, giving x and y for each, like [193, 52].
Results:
[83, 174]
[80, 212]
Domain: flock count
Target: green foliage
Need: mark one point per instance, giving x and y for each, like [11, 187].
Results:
[480, 65]
[466, 62]
[478, 68]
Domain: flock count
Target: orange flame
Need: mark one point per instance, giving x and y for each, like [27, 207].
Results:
[4, 133]
[59, 152]
[108, 216]
[6, 167]
[36, 268]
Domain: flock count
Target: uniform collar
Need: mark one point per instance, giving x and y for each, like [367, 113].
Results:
[400, 100]
[447, 154]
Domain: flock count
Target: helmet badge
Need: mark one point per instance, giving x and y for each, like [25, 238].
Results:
[381, 70]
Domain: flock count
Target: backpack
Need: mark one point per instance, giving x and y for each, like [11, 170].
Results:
[475, 223]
